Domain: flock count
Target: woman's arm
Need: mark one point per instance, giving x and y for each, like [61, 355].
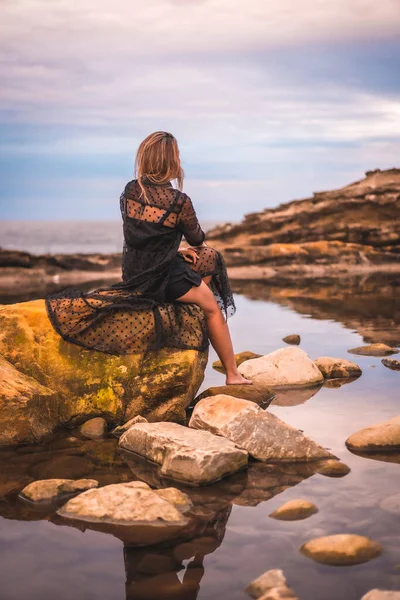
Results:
[189, 225]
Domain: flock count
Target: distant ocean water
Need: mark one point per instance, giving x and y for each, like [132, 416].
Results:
[66, 237]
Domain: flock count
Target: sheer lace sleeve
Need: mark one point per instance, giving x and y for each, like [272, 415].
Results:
[122, 205]
[189, 225]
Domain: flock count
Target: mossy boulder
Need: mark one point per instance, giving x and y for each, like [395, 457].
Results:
[49, 382]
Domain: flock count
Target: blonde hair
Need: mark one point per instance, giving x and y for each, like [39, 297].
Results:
[157, 159]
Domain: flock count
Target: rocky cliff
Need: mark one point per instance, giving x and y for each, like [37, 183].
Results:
[357, 225]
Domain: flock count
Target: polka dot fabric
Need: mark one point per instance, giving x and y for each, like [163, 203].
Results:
[133, 315]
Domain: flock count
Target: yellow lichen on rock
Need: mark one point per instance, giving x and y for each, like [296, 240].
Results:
[68, 384]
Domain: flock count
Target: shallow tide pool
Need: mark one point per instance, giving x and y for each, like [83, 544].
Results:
[41, 559]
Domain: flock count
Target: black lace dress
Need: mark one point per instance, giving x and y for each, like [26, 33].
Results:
[140, 313]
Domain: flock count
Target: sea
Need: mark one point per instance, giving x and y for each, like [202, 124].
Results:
[43, 558]
[66, 237]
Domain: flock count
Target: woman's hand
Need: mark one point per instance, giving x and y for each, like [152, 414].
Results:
[190, 255]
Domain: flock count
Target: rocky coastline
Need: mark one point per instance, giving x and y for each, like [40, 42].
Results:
[127, 446]
[353, 231]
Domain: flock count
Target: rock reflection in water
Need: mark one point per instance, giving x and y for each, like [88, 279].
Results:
[391, 457]
[368, 304]
[293, 396]
[264, 480]
[175, 572]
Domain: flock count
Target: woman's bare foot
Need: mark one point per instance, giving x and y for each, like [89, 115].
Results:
[237, 379]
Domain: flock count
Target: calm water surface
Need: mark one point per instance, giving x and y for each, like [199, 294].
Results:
[44, 560]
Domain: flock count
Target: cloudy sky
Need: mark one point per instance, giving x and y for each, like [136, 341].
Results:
[270, 100]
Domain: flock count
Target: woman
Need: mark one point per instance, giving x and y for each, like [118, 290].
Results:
[165, 291]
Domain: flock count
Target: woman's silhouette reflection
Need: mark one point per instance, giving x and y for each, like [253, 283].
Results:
[173, 573]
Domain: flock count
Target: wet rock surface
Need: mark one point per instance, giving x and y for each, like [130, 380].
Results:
[263, 435]
[271, 585]
[380, 437]
[332, 368]
[197, 457]
[151, 516]
[334, 468]
[294, 510]
[382, 595]
[293, 339]
[391, 363]
[118, 431]
[341, 549]
[263, 396]
[374, 350]
[50, 382]
[49, 489]
[240, 357]
[289, 366]
[94, 428]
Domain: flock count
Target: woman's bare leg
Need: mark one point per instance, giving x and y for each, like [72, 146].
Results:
[220, 337]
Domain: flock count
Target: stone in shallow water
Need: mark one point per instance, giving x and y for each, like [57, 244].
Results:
[391, 363]
[262, 434]
[294, 510]
[380, 437]
[286, 366]
[334, 468]
[133, 503]
[240, 357]
[94, 428]
[49, 489]
[332, 368]
[382, 595]
[374, 350]
[196, 457]
[260, 395]
[342, 549]
[118, 431]
[271, 585]
[293, 338]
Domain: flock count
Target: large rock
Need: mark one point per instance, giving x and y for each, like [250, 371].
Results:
[332, 368]
[377, 438]
[289, 366]
[343, 549]
[152, 516]
[196, 457]
[262, 434]
[49, 489]
[48, 382]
